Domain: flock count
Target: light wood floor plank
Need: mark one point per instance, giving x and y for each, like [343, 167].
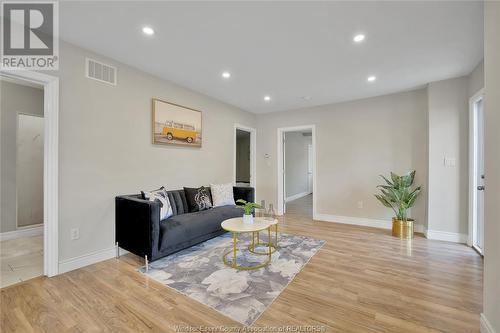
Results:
[362, 280]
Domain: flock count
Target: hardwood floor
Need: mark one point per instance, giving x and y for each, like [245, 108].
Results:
[362, 280]
[301, 207]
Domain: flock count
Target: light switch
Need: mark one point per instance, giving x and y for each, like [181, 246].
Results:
[75, 233]
[450, 162]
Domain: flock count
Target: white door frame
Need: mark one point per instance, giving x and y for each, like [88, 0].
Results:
[309, 166]
[281, 164]
[253, 155]
[472, 164]
[50, 164]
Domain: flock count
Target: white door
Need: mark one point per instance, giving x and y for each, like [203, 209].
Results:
[29, 173]
[284, 173]
[478, 226]
[309, 169]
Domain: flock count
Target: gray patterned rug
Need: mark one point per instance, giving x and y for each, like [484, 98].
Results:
[198, 272]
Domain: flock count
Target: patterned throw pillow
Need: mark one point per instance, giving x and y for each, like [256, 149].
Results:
[162, 196]
[198, 199]
[222, 194]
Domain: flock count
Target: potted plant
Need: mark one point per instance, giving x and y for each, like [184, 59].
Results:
[398, 195]
[248, 207]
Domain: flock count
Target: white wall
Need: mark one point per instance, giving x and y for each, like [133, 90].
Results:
[105, 146]
[476, 79]
[356, 142]
[14, 99]
[296, 163]
[448, 138]
[491, 308]
[30, 140]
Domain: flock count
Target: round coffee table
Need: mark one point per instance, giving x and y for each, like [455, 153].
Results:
[236, 226]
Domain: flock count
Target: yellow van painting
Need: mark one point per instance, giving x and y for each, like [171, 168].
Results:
[173, 130]
[175, 124]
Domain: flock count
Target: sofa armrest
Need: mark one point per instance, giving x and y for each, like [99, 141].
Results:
[245, 193]
[137, 225]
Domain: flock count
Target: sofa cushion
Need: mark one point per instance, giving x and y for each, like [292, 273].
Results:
[161, 196]
[198, 199]
[178, 201]
[222, 194]
[193, 225]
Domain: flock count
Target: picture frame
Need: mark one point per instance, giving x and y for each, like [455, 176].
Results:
[175, 124]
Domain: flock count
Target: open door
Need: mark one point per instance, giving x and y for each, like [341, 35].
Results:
[477, 176]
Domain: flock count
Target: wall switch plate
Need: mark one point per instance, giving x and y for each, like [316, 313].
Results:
[450, 162]
[75, 233]
[360, 204]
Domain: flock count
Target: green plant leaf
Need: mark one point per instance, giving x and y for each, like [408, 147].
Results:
[407, 180]
[383, 200]
[396, 179]
[387, 181]
[398, 194]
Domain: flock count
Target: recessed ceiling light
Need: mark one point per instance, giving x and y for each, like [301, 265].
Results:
[306, 98]
[267, 98]
[148, 31]
[359, 38]
[226, 75]
[371, 78]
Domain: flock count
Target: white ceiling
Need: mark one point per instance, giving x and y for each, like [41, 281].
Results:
[287, 50]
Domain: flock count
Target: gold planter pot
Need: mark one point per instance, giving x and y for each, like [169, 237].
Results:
[402, 229]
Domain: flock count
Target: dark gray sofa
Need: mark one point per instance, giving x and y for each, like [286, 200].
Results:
[138, 228]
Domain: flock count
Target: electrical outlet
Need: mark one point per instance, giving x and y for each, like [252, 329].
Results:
[75, 233]
[360, 204]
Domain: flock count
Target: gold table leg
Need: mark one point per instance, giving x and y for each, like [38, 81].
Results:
[234, 252]
[276, 236]
[269, 243]
[234, 263]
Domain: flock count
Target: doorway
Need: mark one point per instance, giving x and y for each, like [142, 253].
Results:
[476, 173]
[297, 171]
[26, 126]
[22, 136]
[244, 156]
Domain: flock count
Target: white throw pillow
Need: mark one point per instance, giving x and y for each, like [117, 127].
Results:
[222, 194]
[162, 196]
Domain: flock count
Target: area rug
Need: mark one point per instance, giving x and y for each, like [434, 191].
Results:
[198, 272]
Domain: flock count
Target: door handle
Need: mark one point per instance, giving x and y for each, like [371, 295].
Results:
[480, 188]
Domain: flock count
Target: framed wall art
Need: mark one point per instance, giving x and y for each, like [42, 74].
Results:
[175, 124]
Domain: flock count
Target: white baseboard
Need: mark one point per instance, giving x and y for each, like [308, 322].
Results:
[366, 222]
[296, 196]
[446, 236]
[485, 325]
[362, 221]
[24, 232]
[88, 259]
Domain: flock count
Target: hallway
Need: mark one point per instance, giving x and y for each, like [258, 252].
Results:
[301, 207]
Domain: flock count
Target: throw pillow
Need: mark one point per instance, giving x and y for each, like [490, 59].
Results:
[198, 199]
[222, 194]
[162, 196]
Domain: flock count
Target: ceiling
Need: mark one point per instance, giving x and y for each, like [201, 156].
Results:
[287, 50]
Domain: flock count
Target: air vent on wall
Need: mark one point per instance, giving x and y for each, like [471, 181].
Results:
[101, 72]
